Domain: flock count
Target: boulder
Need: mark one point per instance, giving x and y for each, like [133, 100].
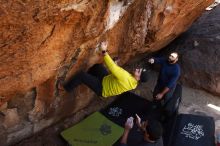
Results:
[40, 38]
[200, 53]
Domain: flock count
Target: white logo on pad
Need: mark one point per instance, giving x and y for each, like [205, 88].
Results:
[193, 131]
[115, 111]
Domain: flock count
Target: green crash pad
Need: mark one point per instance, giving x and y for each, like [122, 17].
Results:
[95, 130]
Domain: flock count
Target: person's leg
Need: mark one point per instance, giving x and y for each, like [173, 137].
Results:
[157, 89]
[91, 81]
[169, 95]
[73, 82]
[156, 103]
[168, 107]
[99, 71]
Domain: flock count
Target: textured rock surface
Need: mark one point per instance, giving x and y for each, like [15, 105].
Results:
[200, 53]
[201, 64]
[44, 42]
[39, 38]
[11, 118]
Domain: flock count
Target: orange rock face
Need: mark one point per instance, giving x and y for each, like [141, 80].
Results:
[46, 39]
[39, 38]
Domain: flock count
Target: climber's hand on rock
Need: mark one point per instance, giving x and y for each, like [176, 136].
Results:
[103, 46]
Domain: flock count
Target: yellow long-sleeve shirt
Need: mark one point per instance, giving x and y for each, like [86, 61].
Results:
[118, 81]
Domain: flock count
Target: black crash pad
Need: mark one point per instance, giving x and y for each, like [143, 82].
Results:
[126, 105]
[193, 130]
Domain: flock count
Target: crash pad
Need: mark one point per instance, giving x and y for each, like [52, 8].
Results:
[193, 130]
[126, 105]
[95, 130]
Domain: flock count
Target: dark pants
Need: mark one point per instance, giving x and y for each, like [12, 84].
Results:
[166, 97]
[92, 79]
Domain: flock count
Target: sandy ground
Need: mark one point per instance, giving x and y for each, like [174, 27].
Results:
[193, 102]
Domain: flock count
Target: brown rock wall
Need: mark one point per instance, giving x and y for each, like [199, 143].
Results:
[39, 37]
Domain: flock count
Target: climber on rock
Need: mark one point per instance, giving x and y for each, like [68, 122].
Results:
[168, 76]
[107, 84]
